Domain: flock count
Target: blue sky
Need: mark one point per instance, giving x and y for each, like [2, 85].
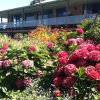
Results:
[9, 4]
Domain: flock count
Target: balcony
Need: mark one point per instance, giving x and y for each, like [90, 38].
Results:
[49, 21]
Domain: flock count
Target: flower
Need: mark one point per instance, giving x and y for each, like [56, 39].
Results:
[69, 69]
[57, 81]
[58, 71]
[19, 83]
[79, 54]
[98, 47]
[39, 73]
[97, 67]
[62, 60]
[89, 42]
[79, 41]
[2, 51]
[94, 55]
[62, 54]
[72, 41]
[32, 48]
[50, 45]
[79, 30]
[27, 82]
[57, 93]
[68, 81]
[27, 64]
[5, 63]
[91, 73]
[5, 47]
[89, 47]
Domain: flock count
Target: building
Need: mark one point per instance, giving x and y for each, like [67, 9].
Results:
[53, 13]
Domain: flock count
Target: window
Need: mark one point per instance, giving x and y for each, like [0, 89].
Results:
[93, 8]
[61, 12]
[30, 16]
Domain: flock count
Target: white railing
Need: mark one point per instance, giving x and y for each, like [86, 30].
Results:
[49, 21]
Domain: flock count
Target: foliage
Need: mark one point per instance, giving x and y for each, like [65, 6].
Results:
[49, 60]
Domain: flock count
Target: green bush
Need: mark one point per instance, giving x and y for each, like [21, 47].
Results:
[93, 32]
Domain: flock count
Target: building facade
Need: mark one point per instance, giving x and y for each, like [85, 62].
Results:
[58, 12]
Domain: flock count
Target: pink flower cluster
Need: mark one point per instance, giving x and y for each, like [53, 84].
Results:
[27, 64]
[87, 55]
[77, 41]
[32, 48]
[79, 30]
[50, 45]
[92, 73]
[4, 48]
[62, 57]
[63, 76]
[39, 73]
[22, 82]
[4, 64]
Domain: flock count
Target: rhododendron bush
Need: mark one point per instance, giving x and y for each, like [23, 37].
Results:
[65, 68]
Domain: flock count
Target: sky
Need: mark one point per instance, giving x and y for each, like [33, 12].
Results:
[9, 4]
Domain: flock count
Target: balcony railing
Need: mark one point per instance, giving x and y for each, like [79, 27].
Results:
[49, 21]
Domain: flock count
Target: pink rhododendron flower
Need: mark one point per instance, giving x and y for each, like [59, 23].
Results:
[79, 30]
[89, 42]
[39, 73]
[68, 81]
[19, 83]
[5, 47]
[27, 64]
[89, 47]
[97, 67]
[27, 82]
[91, 73]
[98, 47]
[57, 81]
[94, 55]
[3, 51]
[79, 54]
[50, 45]
[58, 71]
[72, 41]
[57, 93]
[32, 48]
[62, 54]
[82, 46]
[5, 63]
[62, 60]
[79, 41]
[70, 69]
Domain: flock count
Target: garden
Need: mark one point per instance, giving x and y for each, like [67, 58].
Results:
[51, 64]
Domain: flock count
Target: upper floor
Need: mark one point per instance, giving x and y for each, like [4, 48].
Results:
[58, 12]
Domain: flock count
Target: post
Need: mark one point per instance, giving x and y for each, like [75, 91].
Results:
[41, 11]
[67, 7]
[1, 19]
[23, 17]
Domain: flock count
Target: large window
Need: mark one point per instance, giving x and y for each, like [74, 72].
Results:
[61, 12]
[46, 14]
[93, 8]
[29, 16]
